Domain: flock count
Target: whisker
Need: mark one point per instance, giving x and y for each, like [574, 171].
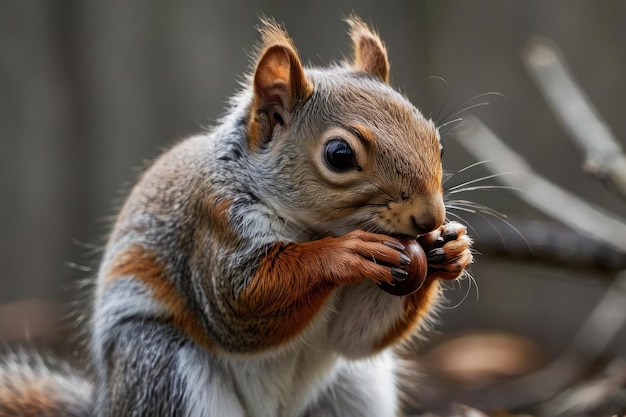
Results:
[482, 209]
[479, 207]
[484, 215]
[455, 215]
[481, 95]
[450, 130]
[443, 104]
[474, 181]
[447, 176]
[457, 305]
[356, 206]
[472, 282]
[475, 164]
[369, 193]
[449, 122]
[463, 110]
[476, 97]
[391, 196]
[460, 208]
[517, 231]
[438, 78]
[485, 187]
[451, 175]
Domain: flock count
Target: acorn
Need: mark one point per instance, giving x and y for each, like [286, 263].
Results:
[411, 277]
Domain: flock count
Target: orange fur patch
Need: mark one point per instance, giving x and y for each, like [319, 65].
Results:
[32, 396]
[365, 134]
[144, 266]
[218, 225]
[416, 307]
[288, 289]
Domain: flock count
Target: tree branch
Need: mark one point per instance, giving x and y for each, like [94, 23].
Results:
[547, 197]
[604, 155]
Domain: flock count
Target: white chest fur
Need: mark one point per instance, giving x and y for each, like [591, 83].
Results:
[309, 376]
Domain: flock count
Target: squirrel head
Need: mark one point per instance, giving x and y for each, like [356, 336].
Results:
[338, 149]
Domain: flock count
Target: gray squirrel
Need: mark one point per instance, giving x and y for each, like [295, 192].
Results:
[243, 274]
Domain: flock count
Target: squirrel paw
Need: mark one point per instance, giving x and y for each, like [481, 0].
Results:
[380, 258]
[448, 250]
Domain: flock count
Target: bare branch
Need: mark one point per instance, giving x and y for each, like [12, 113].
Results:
[545, 242]
[604, 155]
[552, 200]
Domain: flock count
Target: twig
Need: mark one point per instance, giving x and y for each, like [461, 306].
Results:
[544, 241]
[552, 200]
[605, 158]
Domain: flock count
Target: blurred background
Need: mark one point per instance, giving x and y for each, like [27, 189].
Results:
[91, 90]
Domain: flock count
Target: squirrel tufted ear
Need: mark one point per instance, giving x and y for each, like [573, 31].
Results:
[370, 53]
[279, 84]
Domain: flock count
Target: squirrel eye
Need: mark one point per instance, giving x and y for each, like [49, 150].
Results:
[339, 155]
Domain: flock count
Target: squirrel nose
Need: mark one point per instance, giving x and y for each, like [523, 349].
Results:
[430, 218]
[425, 224]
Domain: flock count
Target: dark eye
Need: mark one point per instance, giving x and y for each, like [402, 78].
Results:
[440, 151]
[339, 155]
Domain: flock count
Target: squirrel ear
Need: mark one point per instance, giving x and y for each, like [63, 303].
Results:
[370, 53]
[279, 84]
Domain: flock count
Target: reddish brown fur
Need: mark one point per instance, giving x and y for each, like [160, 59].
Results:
[216, 211]
[294, 280]
[366, 134]
[33, 397]
[290, 286]
[416, 307]
[144, 265]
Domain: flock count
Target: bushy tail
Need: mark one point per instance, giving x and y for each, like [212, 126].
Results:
[33, 386]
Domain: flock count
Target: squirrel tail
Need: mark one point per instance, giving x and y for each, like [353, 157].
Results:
[31, 385]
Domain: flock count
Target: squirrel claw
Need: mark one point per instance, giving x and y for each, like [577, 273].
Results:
[448, 250]
[399, 275]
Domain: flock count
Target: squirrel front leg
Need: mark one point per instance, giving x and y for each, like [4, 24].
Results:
[294, 280]
[393, 318]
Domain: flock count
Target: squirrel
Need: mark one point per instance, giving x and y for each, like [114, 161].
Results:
[241, 277]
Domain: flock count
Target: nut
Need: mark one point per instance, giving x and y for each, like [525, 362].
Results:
[417, 269]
